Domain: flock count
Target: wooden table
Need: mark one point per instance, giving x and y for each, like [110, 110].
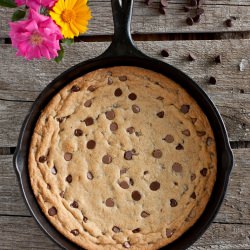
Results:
[22, 81]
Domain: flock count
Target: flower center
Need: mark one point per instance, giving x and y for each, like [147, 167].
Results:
[68, 16]
[36, 39]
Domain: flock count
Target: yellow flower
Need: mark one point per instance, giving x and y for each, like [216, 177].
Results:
[72, 16]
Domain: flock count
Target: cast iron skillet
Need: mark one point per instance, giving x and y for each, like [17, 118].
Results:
[122, 51]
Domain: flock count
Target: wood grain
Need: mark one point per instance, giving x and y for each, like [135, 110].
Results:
[21, 81]
[146, 19]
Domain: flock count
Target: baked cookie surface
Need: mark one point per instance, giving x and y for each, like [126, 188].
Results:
[122, 157]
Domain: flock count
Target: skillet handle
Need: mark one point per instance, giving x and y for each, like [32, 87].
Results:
[122, 42]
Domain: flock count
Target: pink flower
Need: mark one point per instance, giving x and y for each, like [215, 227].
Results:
[36, 4]
[36, 37]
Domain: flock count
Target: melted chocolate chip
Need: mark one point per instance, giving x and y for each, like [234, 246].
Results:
[89, 121]
[75, 232]
[177, 167]
[128, 155]
[169, 232]
[157, 153]
[136, 195]
[69, 178]
[48, 186]
[42, 159]
[173, 203]
[165, 53]
[193, 120]
[145, 172]
[179, 147]
[116, 229]
[74, 204]
[144, 214]
[85, 219]
[193, 177]
[110, 115]
[91, 88]
[201, 133]
[118, 92]
[190, 21]
[131, 181]
[124, 185]
[137, 230]
[123, 78]
[186, 132]
[91, 144]
[136, 108]
[90, 176]
[62, 194]
[130, 130]
[132, 96]
[154, 186]
[75, 88]
[126, 244]
[106, 159]
[160, 114]
[109, 202]
[88, 103]
[68, 156]
[203, 172]
[113, 126]
[193, 195]
[54, 170]
[185, 108]
[52, 211]
[78, 132]
[168, 138]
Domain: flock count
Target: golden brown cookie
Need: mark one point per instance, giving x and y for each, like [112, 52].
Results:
[122, 158]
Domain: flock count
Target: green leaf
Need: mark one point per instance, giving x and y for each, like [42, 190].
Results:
[8, 3]
[68, 41]
[18, 14]
[60, 54]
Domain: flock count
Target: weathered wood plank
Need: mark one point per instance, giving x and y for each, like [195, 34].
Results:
[235, 208]
[146, 19]
[22, 81]
[24, 233]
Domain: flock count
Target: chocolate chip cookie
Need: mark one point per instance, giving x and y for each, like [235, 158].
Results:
[122, 157]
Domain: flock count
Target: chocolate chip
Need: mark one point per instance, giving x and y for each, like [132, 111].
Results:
[199, 11]
[67, 156]
[145, 172]
[163, 10]
[128, 155]
[106, 159]
[91, 144]
[132, 96]
[91, 88]
[123, 171]
[188, 8]
[126, 244]
[75, 88]
[116, 229]
[75, 232]
[203, 172]
[109, 202]
[185, 108]
[177, 167]
[173, 203]
[168, 138]
[197, 18]
[60, 119]
[131, 181]
[190, 21]
[160, 114]
[157, 153]
[110, 115]
[137, 230]
[193, 120]
[113, 126]
[42, 159]
[118, 92]
[85, 219]
[89, 121]
[88, 103]
[124, 185]
[69, 178]
[191, 57]
[123, 78]
[229, 23]
[164, 53]
[110, 81]
[160, 98]
[136, 195]
[186, 132]
[130, 130]
[54, 170]
[193, 177]
[201, 133]
[218, 59]
[136, 108]
[62, 194]
[144, 214]
[193, 3]
[52, 211]
[169, 232]
[90, 176]
[193, 195]
[48, 186]
[154, 186]
[74, 204]
[212, 80]
[78, 132]
[179, 147]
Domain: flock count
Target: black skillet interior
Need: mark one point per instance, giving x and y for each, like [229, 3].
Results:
[122, 51]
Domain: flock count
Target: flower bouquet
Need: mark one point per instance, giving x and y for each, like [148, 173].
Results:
[39, 28]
